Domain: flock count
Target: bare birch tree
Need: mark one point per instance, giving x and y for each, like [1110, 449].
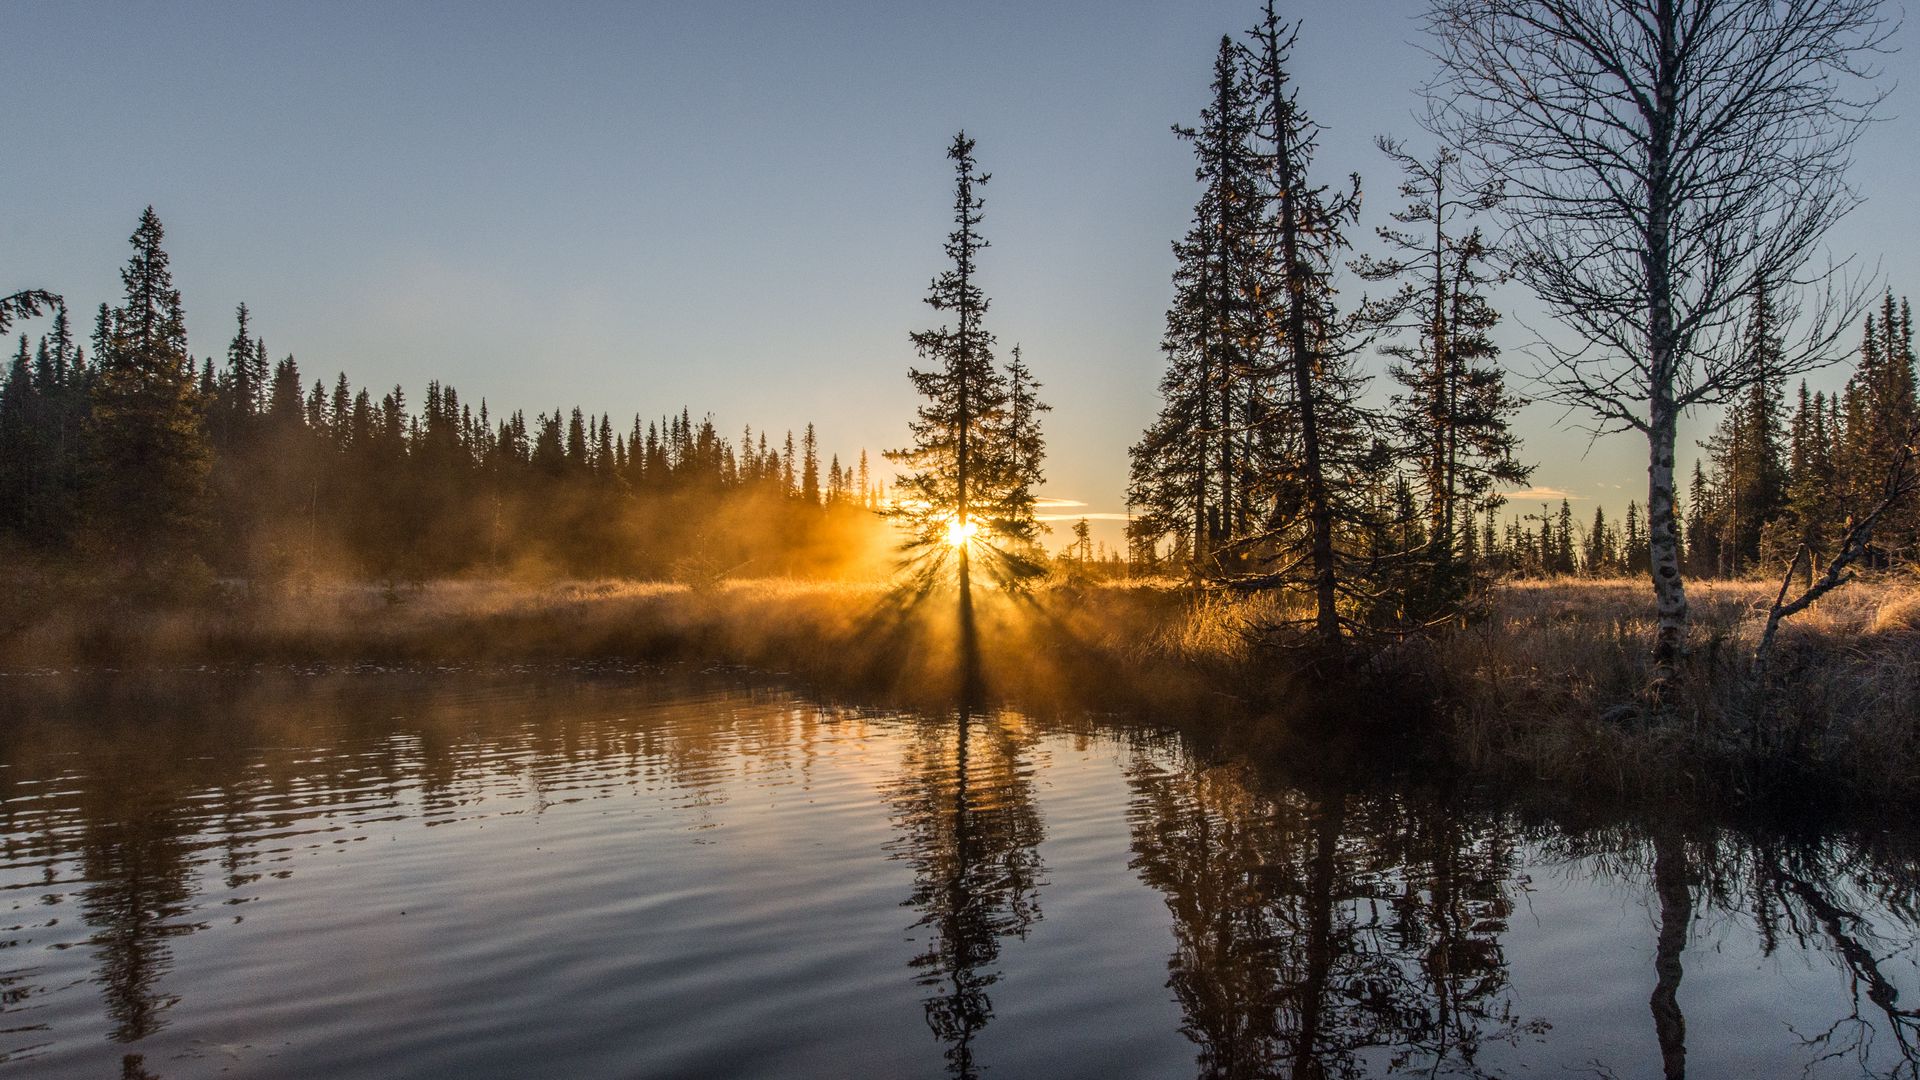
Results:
[1660, 158]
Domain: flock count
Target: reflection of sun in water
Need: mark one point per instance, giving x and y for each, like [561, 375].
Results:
[958, 532]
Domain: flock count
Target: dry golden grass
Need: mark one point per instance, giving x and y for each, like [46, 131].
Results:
[1550, 688]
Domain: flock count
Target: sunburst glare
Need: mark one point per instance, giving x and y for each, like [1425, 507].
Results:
[960, 532]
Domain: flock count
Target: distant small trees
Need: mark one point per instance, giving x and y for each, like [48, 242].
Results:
[1747, 485]
[1879, 411]
[975, 456]
[1773, 483]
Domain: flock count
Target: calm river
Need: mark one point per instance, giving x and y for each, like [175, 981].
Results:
[608, 874]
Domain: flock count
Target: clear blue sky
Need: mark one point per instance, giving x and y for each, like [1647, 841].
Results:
[733, 207]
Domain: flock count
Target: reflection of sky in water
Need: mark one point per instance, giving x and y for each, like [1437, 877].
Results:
[602, 874]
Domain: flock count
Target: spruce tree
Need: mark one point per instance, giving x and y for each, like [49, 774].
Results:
[20, 443]
[1453, 415]
[148, 474]
[244, 389]
[1021, 449]
[1881, 409]
[1307, 224]
[809, 468]
[1749, 482]
[1192, 470]
[952, 487]
[1636, 557]
[1813, 502]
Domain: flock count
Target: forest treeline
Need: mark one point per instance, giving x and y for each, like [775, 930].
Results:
[1771, 478]
[128, 449]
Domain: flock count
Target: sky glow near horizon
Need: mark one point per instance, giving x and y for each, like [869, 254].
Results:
[733, 208]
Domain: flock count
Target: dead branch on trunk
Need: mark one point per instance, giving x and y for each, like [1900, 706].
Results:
[1900, 481]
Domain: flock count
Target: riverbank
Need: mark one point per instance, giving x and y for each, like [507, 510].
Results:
[1546, 691]
[1542, 692]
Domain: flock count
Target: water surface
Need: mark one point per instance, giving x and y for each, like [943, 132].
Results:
[611, 873]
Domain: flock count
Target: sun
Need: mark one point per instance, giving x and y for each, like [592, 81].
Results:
[959, 532]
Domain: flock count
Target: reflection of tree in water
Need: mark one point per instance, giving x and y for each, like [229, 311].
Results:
[1324, 937]
[1814, 895]
[138, 852]
[1852, 901]
[1673, 888]
[965, 808]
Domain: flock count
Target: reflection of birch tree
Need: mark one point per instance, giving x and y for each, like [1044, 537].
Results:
[1675, 892]
[1834, 898]
[1803, 894]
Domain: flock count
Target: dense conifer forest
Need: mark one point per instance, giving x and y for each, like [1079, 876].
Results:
[135, 451]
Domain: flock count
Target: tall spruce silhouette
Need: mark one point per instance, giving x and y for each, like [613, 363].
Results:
[1307, 223]
[148, 475]
[963, 470]
[1191, 470]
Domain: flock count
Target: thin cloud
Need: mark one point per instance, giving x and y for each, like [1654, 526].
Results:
[1077, 517]
[1057, 502]
[1534, 493]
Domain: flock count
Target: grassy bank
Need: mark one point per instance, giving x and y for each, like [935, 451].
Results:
[1547, 691]
[1543, 692]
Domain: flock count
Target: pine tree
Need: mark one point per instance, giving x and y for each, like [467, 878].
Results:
[244, 389]
[1749, 482]
[1563, 551]
[1599, 553]
[1021, 448]
[809, 468]
[1081, 550]
[1637, 558]
[604, 465]
[1881, 409]
[1307, 224]
[576, 441]
[20, 443]
[950, 479]
[1454, 414]
[1192, 470]
[286, 411]
[1812, 516]
[148, 475]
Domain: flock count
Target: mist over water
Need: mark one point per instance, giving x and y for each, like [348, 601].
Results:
[602, 872]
